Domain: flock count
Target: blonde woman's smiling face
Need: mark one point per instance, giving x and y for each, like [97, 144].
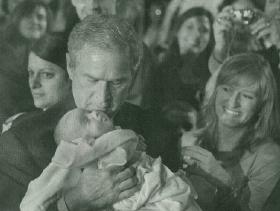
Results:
[236, 105]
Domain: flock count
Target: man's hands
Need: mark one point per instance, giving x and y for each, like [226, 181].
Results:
[98, 189]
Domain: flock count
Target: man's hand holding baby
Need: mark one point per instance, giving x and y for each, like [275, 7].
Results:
[102, 188]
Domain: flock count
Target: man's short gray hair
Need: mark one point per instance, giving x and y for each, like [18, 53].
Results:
[107, 32]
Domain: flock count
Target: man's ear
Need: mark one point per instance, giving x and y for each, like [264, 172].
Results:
[70, 68]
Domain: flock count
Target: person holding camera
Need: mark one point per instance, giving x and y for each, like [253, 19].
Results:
[241, 26]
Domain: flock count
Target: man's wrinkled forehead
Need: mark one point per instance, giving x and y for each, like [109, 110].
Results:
[86, 48]
[122, 56]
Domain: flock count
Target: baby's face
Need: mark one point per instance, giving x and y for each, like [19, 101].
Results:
[80, 123]
[97, 124]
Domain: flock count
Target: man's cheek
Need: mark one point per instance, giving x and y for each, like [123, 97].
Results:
[80, 97]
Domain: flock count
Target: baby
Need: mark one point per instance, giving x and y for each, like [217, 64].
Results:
[89, 139]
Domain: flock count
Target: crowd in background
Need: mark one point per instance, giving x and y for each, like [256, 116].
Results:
[195, 55]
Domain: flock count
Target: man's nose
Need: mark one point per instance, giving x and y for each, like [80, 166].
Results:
[35, 82]
[234, 100]
[103, 94]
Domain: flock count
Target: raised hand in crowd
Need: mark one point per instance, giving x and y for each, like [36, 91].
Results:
[171, 10]
[267, 29]
[223, 29]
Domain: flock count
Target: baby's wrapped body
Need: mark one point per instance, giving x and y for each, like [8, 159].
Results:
[89, 140]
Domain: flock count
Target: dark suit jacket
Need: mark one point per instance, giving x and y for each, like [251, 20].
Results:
[15, 95]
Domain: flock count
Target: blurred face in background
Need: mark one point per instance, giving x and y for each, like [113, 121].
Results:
[194, 35]
[48, 82]
[130, 10]
[11, 4]
[35, 25]
[90, 7]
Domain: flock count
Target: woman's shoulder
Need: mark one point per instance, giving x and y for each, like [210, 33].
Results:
[266, 153]
[268, 146]
[264, 160]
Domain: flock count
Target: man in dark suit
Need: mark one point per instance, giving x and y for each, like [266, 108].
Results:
[102, 60]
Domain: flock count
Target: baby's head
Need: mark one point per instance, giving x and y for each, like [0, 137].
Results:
[79, 123]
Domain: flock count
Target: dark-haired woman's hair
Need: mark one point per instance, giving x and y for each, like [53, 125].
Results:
[226, 3]
[194, 12]
[22, 10]
[52, 48]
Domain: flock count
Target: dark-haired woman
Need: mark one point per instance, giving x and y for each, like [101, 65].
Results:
[48, 79]
[181, 79]
[31, 132]
[29, 21]
[184, 72]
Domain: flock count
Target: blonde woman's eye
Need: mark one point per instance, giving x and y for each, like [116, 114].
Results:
[248, 96]
[226, 89]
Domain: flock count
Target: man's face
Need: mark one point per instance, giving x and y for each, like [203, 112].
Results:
[100, 79]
